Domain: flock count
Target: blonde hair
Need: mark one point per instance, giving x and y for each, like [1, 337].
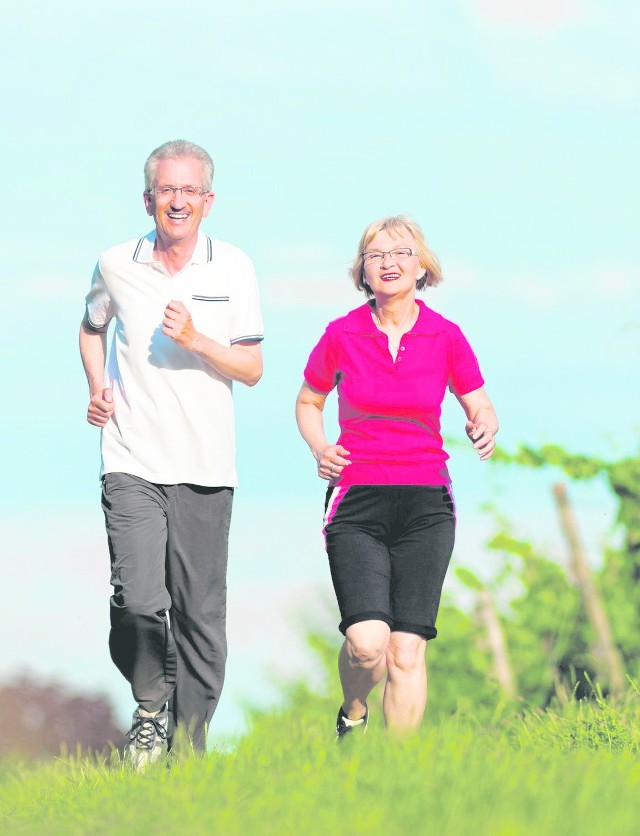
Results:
[397, 225]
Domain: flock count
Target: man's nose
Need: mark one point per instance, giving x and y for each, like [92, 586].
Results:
[178, 200]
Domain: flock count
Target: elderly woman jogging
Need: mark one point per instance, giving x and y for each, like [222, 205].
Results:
[389, 518]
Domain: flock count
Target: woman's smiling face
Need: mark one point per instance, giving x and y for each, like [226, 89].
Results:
[396, 272]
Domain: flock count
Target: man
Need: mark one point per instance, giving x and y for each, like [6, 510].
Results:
[187, 324]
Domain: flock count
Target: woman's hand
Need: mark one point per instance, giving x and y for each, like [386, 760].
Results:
[332, 461]
[482, 438]
[482, 423]
[329, 457]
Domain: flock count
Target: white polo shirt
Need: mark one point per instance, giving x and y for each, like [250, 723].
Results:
[173, 416]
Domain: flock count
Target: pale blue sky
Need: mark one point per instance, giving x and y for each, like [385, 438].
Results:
[508, 130]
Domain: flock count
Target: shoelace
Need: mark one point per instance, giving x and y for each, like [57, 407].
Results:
[145, 730]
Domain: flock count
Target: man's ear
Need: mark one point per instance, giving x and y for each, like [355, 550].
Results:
[208, 203]
[147, 202]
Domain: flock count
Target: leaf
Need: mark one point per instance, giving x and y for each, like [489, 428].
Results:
[467, 577]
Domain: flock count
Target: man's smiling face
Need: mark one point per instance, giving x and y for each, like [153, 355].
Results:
[178, 215]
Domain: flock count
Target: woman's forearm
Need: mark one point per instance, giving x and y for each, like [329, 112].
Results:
[311, 426]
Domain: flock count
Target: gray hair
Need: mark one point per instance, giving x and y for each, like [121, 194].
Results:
[175, 150]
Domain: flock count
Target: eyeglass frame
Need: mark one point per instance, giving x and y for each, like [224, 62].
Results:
[373, 254]
[175, 189]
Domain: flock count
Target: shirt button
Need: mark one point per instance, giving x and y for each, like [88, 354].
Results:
[401, 348]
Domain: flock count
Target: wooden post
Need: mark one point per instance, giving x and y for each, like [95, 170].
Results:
[488, 617]
[604, 650]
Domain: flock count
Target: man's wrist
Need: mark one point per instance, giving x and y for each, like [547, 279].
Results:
[200, 344]
[96, 387]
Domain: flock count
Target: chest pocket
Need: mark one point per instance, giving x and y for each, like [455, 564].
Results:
[212, 316]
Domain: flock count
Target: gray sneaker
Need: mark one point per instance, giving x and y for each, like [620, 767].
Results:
[147, 739]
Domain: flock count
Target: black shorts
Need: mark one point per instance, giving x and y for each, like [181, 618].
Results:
[389, 548]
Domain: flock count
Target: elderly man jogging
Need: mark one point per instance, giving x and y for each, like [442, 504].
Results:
[187, 324]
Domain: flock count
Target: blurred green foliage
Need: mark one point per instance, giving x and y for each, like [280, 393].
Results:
[618, 580]
[546, 630]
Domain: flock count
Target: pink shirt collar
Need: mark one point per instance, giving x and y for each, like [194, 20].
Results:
[360, 321]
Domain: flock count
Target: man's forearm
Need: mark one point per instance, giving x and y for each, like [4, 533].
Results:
[241, 362]
[93, 350]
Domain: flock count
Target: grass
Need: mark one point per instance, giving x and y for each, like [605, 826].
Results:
[571, 769]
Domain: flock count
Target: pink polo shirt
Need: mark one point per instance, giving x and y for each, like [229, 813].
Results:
[389, 412]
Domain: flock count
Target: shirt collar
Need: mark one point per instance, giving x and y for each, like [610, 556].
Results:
[201, 255]
[361, 322]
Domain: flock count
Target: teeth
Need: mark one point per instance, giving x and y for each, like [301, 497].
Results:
[178, 217]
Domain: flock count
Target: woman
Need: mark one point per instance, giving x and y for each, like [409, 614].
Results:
[389, 517]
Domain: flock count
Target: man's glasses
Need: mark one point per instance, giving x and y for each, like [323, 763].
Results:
[374, 256]
[170, 191]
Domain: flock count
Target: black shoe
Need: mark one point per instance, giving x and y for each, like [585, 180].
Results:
[345, 726]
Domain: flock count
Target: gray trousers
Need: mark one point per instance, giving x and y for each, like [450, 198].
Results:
[168, 546]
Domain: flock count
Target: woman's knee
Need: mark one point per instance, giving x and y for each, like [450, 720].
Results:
[367, 642]
[406, 653]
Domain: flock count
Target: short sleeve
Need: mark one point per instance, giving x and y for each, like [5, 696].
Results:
[464, 371]
[246, 316]
[99, 305]
[322, 369]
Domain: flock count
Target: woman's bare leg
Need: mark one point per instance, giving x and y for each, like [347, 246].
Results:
[362, 664]
[405, 694]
